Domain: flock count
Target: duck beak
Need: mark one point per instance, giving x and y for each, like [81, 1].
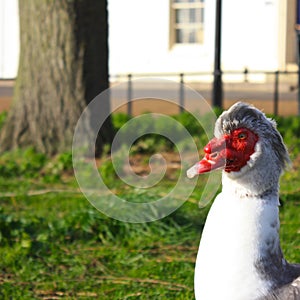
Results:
[215, 158]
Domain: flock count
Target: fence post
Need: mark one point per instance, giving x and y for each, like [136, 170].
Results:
[246, 75]
[181, 93]
[129, 95]
[217, 95]
[276, 96]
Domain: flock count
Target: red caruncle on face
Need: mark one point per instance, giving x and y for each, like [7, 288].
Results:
[240, 145]
[230, 152]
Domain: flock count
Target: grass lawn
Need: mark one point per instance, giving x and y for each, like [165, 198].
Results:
[55, 245]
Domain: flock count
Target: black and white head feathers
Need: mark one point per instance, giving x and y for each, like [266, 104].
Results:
[246, 115]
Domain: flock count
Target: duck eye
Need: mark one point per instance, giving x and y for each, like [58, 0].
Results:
[242, 135]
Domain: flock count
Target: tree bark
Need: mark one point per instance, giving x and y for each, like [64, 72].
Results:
[63, 66]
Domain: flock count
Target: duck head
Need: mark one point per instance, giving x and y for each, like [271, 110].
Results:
[243, 135]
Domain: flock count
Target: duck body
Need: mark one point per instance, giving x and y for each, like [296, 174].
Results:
[238, 237]
[239, 256]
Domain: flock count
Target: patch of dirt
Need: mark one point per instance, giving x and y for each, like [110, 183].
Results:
[144, 164]
[157, 163]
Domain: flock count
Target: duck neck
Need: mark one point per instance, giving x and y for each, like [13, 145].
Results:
[258, 179]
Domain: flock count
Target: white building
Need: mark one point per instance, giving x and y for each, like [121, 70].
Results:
[163, 36]
[9, 38]
[178, 35]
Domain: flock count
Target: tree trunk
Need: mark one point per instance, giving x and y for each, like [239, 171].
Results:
[63, 66]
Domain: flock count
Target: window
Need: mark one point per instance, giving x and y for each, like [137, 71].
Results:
[187, 18]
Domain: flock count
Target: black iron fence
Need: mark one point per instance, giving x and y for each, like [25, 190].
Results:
[273, 77]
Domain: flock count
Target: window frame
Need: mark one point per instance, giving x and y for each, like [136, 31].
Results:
[175, 26]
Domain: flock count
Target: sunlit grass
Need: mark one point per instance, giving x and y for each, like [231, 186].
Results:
[55, 245]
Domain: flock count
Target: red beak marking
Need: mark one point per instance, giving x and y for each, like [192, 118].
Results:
[214, 158]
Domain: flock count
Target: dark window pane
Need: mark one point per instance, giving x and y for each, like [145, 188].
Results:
[182, 16]
[202, 15]
[192, 36]
[179, 36]
[192, 17]
[189, 16]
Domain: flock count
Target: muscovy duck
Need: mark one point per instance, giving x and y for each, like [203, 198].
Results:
[239, 256]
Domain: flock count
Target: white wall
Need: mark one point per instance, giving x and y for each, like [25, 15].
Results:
[9, 38]
[139, 40]
[250, 34]
[139, 37]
